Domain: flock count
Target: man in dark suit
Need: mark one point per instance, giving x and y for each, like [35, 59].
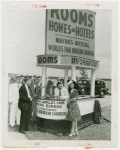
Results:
[36, 92]
[25, 100]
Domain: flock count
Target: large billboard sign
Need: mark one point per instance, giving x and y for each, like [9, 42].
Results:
[70, 32]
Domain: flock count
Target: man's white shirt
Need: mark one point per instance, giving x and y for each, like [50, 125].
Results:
[34, 86]
[64, 92]
[28, 91]
[19, 85]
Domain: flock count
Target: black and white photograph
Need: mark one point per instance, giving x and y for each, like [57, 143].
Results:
[59, 74]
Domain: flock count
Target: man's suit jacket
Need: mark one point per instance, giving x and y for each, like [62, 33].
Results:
[24, 100]
[38, 89]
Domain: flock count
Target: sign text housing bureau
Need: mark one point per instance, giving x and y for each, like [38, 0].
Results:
[70, 32]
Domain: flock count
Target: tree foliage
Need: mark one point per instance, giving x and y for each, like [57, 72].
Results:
[84, 73]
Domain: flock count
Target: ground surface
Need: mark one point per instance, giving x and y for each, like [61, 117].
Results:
[92, 132]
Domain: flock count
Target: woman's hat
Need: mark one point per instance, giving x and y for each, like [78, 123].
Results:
[69, 82]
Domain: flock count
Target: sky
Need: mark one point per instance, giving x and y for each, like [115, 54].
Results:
[23, 38]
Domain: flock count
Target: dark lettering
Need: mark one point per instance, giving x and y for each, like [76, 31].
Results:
[69, 29]
[44, 59]
[92, 34]
[83, 18]
[55, 59]
[40, 60]
[87, 33]
[64, 17]
[56, 26]
[77, 31]
[50, 60]
[89, 18]
[51, 25]
[55, 12]
[75, 14]
[61, 27]
[65, 28]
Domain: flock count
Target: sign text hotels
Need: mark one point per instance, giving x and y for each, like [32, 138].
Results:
[70, 32]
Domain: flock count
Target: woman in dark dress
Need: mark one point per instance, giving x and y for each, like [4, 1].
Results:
[73, 109]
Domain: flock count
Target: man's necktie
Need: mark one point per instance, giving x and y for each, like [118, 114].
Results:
[29, 91]
[35, 89]
[60, 92]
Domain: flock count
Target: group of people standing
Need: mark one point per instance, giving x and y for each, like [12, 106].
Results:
[23, 93]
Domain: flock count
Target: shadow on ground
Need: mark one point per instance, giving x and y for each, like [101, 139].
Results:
[93, 132]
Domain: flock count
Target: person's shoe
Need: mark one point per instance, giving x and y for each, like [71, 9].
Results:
[17, 126]
[59, 134]
[11, 128]
[22, 131]
[71, 134]
[76, 132]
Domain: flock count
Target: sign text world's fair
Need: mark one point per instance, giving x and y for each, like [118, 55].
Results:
[70, 32]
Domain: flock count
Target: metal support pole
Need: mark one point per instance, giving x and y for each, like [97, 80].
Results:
[43, 81]
[66, 78]
[73, 73]
[92, 92]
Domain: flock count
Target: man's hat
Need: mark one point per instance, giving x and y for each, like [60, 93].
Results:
[50, 82]
[12, 80]
[18, 76]
[27, 78]
[39, 77]
[23, 77]
[34, 76]
[59, 82]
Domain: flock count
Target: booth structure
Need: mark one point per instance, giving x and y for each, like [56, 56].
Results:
[51, 112]
[69, 45]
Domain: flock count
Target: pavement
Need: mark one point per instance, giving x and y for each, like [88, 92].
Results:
[93, 132]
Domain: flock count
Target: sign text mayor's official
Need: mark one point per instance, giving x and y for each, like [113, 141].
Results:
[70, 32]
